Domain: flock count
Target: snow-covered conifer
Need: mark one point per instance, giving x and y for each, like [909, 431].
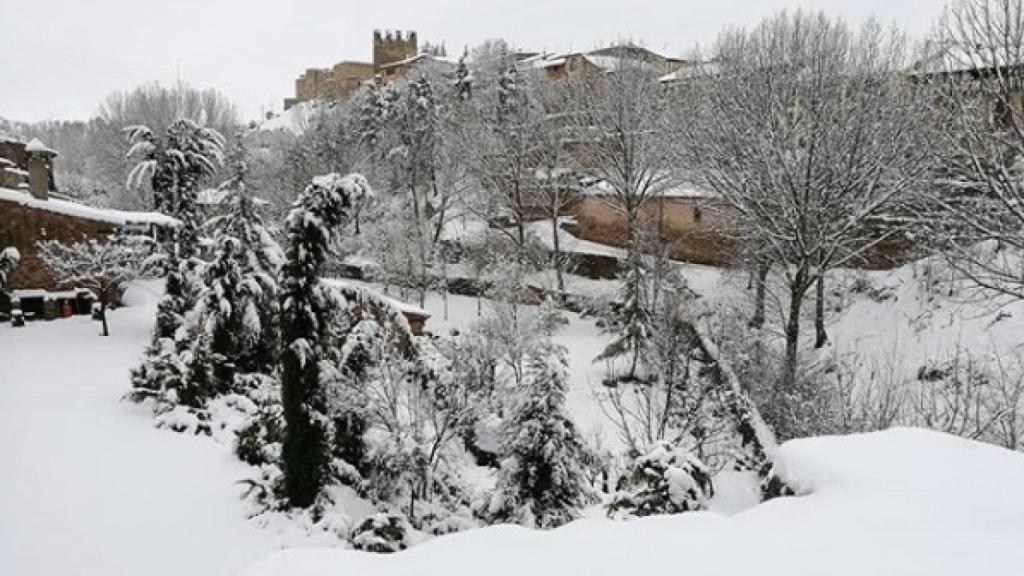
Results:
[239, 307]
[306, 303]
[543, 481]
[174, 167]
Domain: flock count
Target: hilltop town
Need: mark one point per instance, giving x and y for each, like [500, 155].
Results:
[755, 309]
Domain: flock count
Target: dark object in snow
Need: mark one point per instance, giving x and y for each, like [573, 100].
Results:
[381, 533]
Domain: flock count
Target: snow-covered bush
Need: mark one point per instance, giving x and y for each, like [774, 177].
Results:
[667, 479]
[382, 533]
[9, 258]
[258, 439]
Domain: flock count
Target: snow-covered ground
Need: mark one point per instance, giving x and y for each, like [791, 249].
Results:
[87, 485]
[901, 502]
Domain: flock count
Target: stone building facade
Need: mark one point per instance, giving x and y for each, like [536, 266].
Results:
[345, 78]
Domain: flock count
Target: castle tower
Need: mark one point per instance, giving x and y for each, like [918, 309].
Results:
[391, 47]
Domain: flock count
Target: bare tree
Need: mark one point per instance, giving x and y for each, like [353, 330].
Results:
[101, 267]
[977, 68]
[156, 106]
[805, 128]
[621, 137]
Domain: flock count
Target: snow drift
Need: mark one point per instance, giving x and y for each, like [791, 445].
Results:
[901, 502]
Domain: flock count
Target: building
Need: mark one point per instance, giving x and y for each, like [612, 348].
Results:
[602, 61]
[394, 71]
[393, 54]
[692, 223]
[31, 210]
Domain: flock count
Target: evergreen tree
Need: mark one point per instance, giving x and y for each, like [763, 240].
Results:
[463, 79]
[240, 306]
[543, 482]
[175, 166]
[371, 114]
[631, 318]
[306, 303]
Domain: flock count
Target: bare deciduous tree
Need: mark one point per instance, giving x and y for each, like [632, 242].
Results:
[101, 267]
[804, 127]
[977, 69]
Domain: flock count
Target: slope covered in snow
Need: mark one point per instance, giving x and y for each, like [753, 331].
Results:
[901, 502]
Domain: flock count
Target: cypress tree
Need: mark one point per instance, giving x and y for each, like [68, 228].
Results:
[313, 225]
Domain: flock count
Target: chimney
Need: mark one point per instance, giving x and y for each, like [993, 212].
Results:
[40, 169]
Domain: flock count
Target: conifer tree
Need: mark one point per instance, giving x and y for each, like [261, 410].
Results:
[543, 481]
[306, 303]
[239, 305]
[175, 166]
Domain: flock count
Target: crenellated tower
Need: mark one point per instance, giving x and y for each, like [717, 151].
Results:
[392, 46]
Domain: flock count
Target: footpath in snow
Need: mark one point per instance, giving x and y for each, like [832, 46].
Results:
[87, 485]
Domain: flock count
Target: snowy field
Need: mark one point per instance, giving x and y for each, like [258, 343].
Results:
[87, 485]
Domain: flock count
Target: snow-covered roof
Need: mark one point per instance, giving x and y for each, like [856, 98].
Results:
[603, 188]
[404, 307]
[38, 147]
[954, 58]
[690, 70]
[69, 208]
[419, 57]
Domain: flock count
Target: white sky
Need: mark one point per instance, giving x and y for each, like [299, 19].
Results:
[59, 58]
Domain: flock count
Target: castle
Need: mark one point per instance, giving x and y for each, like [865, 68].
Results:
[393, 52]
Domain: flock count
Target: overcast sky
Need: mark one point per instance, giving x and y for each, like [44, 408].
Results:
[59, 58]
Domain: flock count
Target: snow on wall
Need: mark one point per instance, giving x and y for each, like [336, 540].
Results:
[68, 208]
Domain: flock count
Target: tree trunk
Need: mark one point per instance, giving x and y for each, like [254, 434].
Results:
[796, 298]
[558, 254]
[821, 337]
[103, 316]
[760, 281]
